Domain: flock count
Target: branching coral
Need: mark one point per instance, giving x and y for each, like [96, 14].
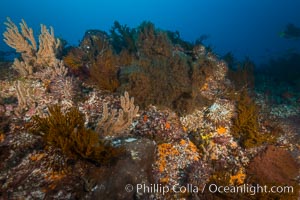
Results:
[33, 56]
[67, 132]
[104, 71]
[151, 41]
[77, 62]
[243, 76]
[123, 38]
[27, 95]
[23, 68]
[53, 87]
[48, 45]
[38, 64]
[146, 78]
[95, 57]
[246, 125]
[58, 70]
[23, 42]
[114, 122]
[161, 65]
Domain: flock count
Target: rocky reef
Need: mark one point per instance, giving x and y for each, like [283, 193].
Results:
[138, 113]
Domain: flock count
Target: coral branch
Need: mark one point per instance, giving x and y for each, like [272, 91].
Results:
[21, 95]
[58, 70]
[24, 68]
[46, 54]
[28, 34]
[24, 42]
[33, 58]
[25, 96]
[117, 121]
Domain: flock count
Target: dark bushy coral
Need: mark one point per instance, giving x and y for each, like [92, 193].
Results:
[275, 167]
[163, 75]
[246, 124]
[153, 42]
[123, 38]
[67, 132]
[158, 80]
[76, 61]
[154, 66]
[95, 57]
[242, 75]
[104, 71]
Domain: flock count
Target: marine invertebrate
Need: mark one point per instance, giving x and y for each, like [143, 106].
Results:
[58, 70]
[91, 108]
[209, 77]
[34, 57]
[114, 122]
[104, 71]
[48, 87]
[77, 62]
[95, 59]
[25, 96]
[193, 121]
[275, 166]
[40, 69]
[123, 37]
[238, 178]
[153, 42]
[221, 130]
[63, 89]
[220, 112]
[165, 150]
[164, 61]
[174, 158]
[67, 132]
[243, 76]
[74, 59]
[154, 73]
[245, 126]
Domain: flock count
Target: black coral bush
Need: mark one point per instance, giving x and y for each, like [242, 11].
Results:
[67, 132]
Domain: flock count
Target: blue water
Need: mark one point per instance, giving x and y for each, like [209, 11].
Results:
[244, 27]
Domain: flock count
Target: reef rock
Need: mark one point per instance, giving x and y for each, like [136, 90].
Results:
[134, 169]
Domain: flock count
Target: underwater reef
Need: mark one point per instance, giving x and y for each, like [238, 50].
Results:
[138, 108]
